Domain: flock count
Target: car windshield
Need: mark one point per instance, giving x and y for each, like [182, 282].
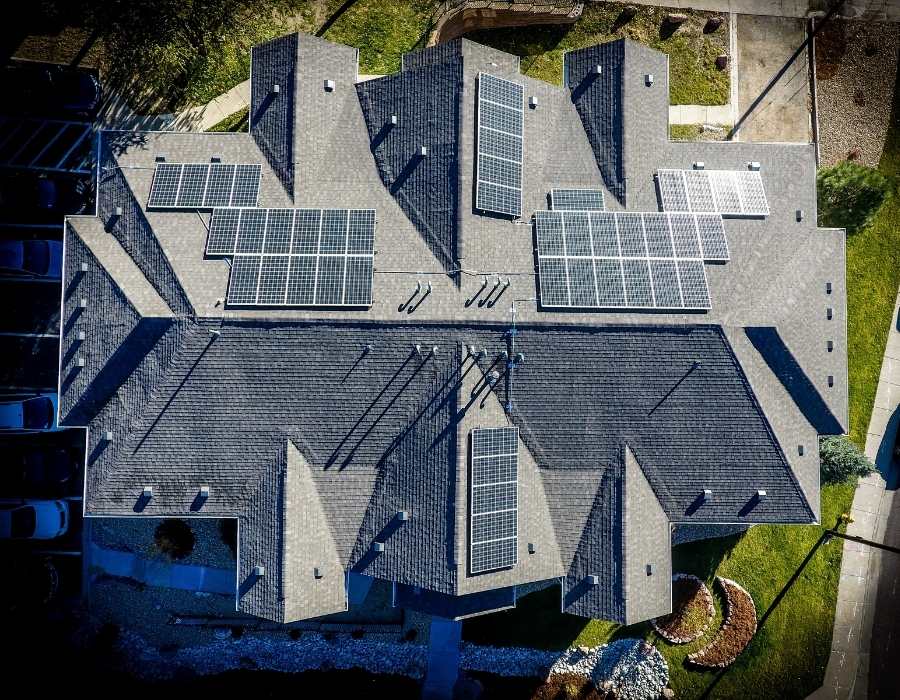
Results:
[37, 413]
[23, 522]
[37, 257]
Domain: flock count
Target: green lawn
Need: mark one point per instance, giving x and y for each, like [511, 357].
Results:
[239, 121]
[692, 54]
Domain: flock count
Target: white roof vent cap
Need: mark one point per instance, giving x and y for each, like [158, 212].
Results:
[259, 571]
[329, 85]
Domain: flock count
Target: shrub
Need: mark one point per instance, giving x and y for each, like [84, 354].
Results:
[841, 460]
[850, 194]
[175, 538]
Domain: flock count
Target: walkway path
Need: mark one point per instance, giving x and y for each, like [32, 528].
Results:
[874, 10]
[443, 659]
[869, 594]
[163, 574]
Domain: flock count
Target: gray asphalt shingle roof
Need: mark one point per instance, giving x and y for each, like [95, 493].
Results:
[315, 444]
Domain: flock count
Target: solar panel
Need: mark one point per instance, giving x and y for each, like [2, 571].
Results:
[301, 257]
[626, 259]
[584, 200]
[204, 185]
[498, 170]
[725, 192]
[493, 526]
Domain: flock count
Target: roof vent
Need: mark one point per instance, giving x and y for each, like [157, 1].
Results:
[118, 211]
[493, 377]
[830, 380]
[829, 345]
[160, 158]
[402, 515]
[707, 495]
[394, 120]
[829, 313]
[799, 215]
[204, 492]
[83, 303]
[215, 159]
[533, 101]
[80, 362]
[593, 580]
[800, 450]
[82, 335]
[84, 267]
[531, 548]
[378, 546]
[596, 70]
[423, 151]
[649, 569]
[761, 495]
[753, 165]
[699, 165]
[276, 88]
[828, 287]
[317, 572]
[329, 85]
[108, 435]
[147, 492]
[259, 571]
[648, 79]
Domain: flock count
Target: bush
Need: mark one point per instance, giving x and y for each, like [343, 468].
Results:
[175, 538]
[850, 194]
[841, 460]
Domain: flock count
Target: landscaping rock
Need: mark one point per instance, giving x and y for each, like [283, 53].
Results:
[712, 24]
[629, 12]
[676, 18]
[736, 631]
[667, 693]
[722, 61]
[692, 611]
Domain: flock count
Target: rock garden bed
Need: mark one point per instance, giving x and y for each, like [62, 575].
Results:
[692, 611]
[736, 631]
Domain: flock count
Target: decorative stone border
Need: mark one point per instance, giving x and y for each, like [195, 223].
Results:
[736, 631]
[710, 612]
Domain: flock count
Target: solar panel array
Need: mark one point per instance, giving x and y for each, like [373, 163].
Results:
[493, 527]
[296, 257]
[726, 192]
[204, 185]
[583, 200]
[627, 259]
[498, 169]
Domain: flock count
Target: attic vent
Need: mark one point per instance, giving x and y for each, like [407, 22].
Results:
[533, 101]
[160, 158]
[649, 569]
[800, 450]
[276, 88]
[216, 159]
[753, 165]
[423, 151]
[83, 303]
[204, 492]
[799, 215]
[378, 546]
[593, 580]
[80, 362]
[82, 336]
[317, 572]
[830, 380]
[699, 165]
[402, 516]
[118, 212]
[259, 571]
[829, 345]
[108, 436]
[828, 287]
[84, 267]
[761, 495]
[531, 548]
[394, 120]
[648, 79]
[596, 70]
[329, 85]
[829, 313]
[147, 492]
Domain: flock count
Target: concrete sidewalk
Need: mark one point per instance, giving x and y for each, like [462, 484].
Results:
[866, 642]
[874, 10]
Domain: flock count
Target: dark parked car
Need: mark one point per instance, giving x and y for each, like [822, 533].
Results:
[32, 413]
[31, 258]
[38, 199]
[37, 470]
[50, 90]
[33, 519]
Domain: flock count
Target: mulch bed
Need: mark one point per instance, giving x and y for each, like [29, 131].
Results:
[692, 611]
[736, 631]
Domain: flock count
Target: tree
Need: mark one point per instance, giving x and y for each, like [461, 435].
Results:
[849, 195]
[841, 460]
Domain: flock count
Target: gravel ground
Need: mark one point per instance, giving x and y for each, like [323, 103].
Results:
[136, 535]
[855, 62]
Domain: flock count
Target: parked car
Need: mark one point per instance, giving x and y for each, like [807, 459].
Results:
[39, 199]
[51, 90]
[37, 470]
[32, 413]
[33, 258]
[33, 520]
